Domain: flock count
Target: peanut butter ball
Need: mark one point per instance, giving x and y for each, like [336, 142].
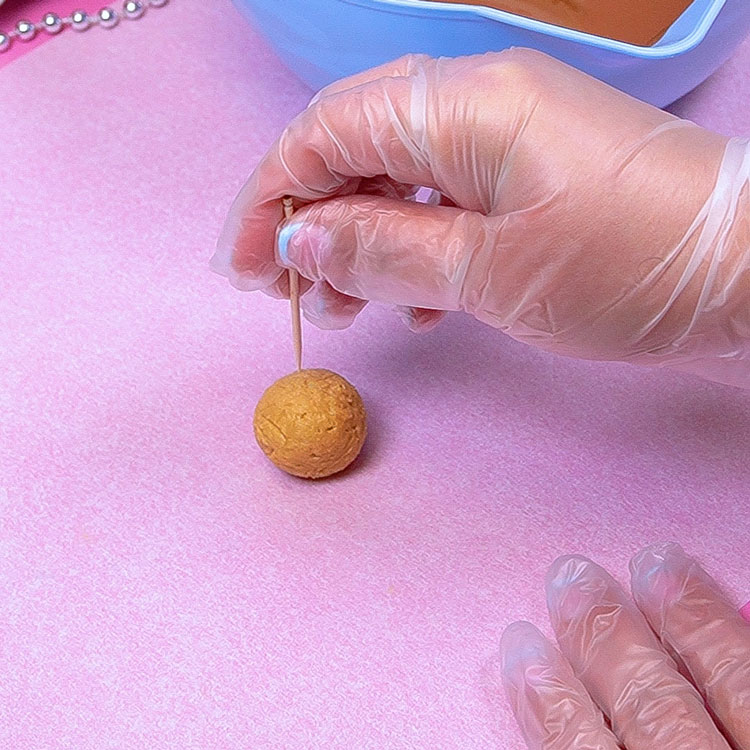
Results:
[311, 423]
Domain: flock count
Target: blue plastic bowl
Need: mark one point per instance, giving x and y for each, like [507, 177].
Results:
[323, 40]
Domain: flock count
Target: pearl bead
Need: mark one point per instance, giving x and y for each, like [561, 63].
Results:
[133, 9]
[108, 18]
[80, 20]
[4, 41]
[157, 3]
[52, 23]
[25, 30]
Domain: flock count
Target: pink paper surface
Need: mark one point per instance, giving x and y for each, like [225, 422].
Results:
[161, 584]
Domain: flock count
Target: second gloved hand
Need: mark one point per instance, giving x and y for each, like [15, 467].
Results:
[667, 669]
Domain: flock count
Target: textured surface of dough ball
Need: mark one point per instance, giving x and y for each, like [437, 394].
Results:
[311, 423]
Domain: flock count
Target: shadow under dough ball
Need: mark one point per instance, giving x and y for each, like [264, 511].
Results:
[311, 423]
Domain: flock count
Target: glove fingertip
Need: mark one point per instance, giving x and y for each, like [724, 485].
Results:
[521, 644]
[246, 282]
[327, 322]
[221, 261]
[419, 320]
[330, 310]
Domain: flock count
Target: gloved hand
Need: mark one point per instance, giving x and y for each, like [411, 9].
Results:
[572, 216]
[671, 671]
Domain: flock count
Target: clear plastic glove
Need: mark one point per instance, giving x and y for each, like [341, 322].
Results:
[571, 216]
[669, 672]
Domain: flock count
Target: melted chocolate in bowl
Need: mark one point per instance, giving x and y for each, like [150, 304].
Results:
[641, 22]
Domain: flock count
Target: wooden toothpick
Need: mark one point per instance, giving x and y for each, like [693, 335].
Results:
[294, 296]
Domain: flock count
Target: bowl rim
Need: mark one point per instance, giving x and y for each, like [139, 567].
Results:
[473, 11]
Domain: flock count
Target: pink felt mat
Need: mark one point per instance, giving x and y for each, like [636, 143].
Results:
[162, 586]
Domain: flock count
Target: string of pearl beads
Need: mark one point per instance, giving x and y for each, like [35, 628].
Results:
[78, 20]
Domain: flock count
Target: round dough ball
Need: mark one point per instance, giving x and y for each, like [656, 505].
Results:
[311, 423]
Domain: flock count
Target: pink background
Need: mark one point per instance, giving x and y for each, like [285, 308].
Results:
[161, 584]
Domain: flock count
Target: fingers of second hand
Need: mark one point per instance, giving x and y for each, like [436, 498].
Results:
[621, 663]
[548, 700]
[690, 613]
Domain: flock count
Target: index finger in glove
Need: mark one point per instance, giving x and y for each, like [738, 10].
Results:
[393, 252]
[706, 634]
